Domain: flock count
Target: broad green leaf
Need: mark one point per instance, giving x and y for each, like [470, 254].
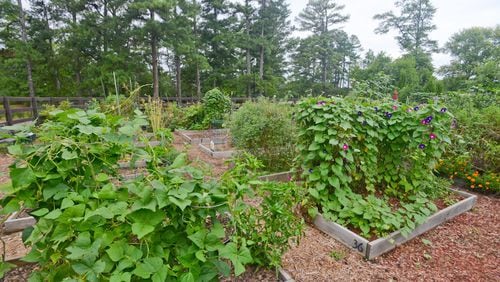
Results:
[67, 155]
[40, 212]
[142, 229]
[22, 177]
[182, 204]
[238, 257]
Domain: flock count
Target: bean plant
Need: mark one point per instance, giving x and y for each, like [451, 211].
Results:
[171, 223]
[356, 155]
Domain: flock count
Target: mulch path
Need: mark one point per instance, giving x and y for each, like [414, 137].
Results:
[462, 249]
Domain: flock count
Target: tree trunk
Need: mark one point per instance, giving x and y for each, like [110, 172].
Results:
[78, 74]
[261, 60]
[198, 80]
[154, 60]
[178, 81]
[55, 69]
[29, 63]
[248, 59]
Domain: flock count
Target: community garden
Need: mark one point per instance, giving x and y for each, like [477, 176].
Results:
[323, 189]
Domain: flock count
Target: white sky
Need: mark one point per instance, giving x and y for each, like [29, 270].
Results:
[451, 16]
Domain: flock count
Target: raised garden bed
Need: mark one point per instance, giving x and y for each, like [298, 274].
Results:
[377, 247]
[221, 150]
[204, 136]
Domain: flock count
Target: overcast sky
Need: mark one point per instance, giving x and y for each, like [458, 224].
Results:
[451, 16]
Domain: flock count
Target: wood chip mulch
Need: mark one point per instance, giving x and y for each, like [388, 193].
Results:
[462, 249]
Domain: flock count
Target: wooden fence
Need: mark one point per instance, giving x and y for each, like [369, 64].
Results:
[22, 109]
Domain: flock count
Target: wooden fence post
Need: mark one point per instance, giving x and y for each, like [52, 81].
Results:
[34, 107]
[8, 113]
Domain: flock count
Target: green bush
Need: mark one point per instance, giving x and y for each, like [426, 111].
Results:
[266, 130]
[215, 106]
[356, 155]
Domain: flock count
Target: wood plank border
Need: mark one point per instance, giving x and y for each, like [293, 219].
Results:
[216, 154]
[13, 224]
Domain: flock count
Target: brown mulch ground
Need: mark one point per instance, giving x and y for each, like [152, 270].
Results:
[463, 249]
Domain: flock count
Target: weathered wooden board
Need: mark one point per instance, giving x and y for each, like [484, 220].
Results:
[216, 154]
[342, 234]
[218, 136]
[285, 276]
[13, 225]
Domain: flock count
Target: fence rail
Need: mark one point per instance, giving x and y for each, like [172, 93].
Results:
[28, 108]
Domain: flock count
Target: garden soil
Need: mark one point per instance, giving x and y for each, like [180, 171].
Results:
[463, 249]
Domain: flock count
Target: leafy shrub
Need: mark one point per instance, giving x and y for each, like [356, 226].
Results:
[190, 117]
[266, 130]
[215, 106]
[171, 224]
[356, 155]
[269, 226]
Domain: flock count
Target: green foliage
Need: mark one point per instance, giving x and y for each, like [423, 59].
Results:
[355, 155]
[378, 87]
[269, 218]
[475, 54]
[215, 105]
[170, 224]
[475, 154]
[266, 130]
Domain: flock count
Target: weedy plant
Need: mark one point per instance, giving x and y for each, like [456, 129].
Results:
[358, 155]
[155, 113]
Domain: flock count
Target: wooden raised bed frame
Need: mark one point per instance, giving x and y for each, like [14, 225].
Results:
[375, 248]
[216, 135]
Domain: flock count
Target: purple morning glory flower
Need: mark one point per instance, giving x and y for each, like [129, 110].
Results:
[424, 121]
[388, 115]
[432, 136]
[443, 110]
[416, 108]
[421, 146]
[345, 147]
[360, 113]
[310, 170]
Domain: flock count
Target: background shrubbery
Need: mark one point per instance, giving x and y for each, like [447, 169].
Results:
[266, 129]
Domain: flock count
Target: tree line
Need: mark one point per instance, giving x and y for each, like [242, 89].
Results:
[245, 47]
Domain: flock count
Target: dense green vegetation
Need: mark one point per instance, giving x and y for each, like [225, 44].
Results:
[245, 48]
[171, 223]
[266, 130]
[357, 155]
